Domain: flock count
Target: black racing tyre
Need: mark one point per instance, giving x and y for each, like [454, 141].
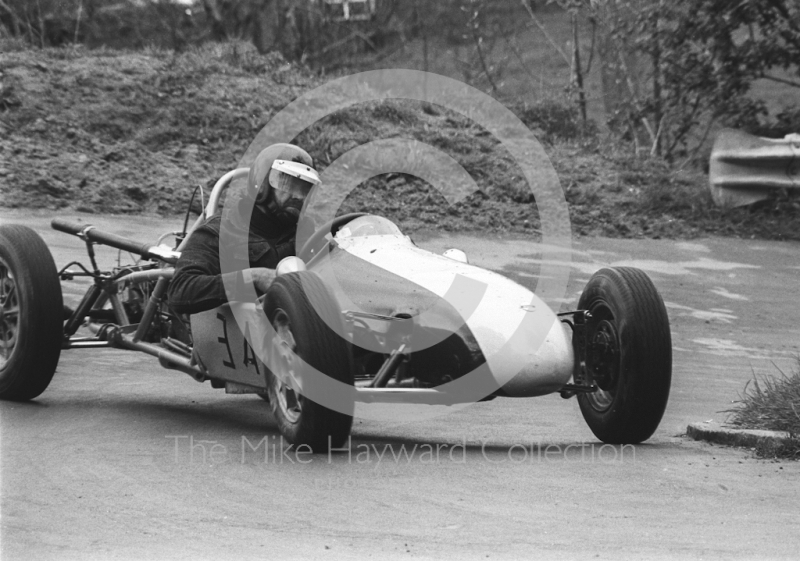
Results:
[627, 353]
[31, 314]
[302, 311]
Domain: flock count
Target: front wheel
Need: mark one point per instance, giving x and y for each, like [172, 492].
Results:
[31, 313]
[309, 337]
[626, 350]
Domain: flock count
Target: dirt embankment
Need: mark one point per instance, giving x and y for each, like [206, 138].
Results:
[135, 132]
[123, 132]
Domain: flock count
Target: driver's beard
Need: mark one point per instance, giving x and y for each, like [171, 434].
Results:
[292, 207]
[289, 213]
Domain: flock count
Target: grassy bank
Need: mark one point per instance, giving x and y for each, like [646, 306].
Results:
[772, 404]
[134, 132]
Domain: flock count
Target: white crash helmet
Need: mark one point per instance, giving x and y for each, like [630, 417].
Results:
[294, 177]
[284, 167]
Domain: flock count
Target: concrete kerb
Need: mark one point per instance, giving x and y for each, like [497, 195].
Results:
[745, 438]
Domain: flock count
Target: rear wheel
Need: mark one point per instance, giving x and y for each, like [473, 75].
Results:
[627, 353]
[304, 315]
[31, 314]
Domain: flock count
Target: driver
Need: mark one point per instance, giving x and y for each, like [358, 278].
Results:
[279, 181]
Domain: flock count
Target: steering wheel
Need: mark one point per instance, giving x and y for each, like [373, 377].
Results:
[313, 243]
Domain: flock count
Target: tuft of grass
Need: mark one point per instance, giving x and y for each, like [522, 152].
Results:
[396, 113]
[772, 404]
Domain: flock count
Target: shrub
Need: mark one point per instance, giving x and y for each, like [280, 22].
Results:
[785, 122]
[555, 121]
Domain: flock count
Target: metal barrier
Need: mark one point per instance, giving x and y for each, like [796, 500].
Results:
[744, 168]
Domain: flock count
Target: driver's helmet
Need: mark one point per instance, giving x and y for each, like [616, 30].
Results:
[284, 167]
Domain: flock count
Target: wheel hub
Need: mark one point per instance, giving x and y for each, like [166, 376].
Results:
[604, 355]
[285, 366]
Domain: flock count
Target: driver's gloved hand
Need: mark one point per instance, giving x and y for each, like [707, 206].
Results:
[286, 249]
[261, 277]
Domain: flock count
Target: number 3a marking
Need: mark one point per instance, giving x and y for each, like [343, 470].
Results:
[248, 352]
[224, 339]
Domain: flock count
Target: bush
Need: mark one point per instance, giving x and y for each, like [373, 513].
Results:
[555, 121]
[785, 122]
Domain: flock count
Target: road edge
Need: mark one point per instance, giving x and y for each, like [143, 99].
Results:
[746, 438]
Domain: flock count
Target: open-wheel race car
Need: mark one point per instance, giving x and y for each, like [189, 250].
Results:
[361, 315]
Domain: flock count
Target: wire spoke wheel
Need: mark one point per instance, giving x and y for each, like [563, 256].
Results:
[308, 344]
[9, 314]
[31, 309]
[287, 365]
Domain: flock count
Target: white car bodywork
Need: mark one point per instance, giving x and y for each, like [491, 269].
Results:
[527, 349]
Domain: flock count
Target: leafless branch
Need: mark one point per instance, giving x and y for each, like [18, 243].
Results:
[477, 40]
[654, 148]
[782, 80]
[78, 21]
[634, 97]
[591, 47]
[512, 42]
[546, 34]
[41, 23]
[354, 35]
[14, 17]
[693, 155]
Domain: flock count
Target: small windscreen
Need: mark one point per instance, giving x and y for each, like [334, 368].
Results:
[369, 226]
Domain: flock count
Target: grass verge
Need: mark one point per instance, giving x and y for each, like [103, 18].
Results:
[772, 404]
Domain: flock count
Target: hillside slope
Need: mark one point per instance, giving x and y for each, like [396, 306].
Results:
[135, 132]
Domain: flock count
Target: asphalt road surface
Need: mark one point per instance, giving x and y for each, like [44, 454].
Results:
[120, 459]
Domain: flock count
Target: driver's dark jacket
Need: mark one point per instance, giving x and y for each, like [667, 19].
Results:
[198, 284]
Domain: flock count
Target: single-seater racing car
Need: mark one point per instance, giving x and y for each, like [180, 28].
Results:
[361, 316]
